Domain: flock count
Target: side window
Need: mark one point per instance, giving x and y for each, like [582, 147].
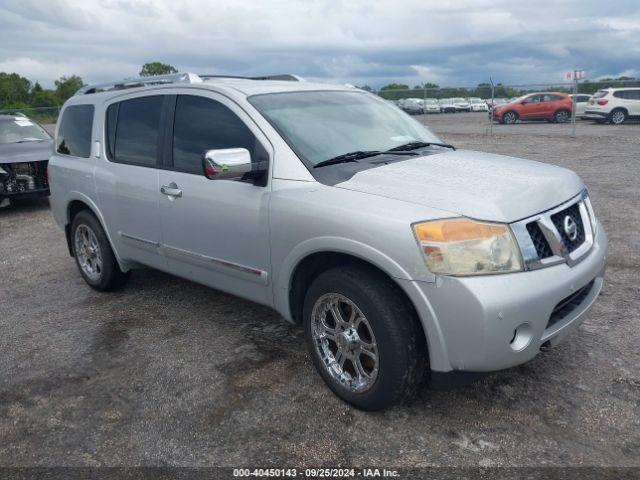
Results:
[622, 94]
[533, 99]
[202, 124]
[74, 133]
[134, 138]
[635, 94]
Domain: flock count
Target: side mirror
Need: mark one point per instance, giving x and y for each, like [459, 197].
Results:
[227, 163]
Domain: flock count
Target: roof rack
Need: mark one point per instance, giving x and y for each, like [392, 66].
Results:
[140, 82]
[289, 77]
[173, 78]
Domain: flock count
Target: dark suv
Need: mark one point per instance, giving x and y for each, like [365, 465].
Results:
[25, 148]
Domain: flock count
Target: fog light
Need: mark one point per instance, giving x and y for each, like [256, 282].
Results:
[521, 337]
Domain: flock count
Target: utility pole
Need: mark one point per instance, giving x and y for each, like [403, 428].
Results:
[575, 99]
[492, 105]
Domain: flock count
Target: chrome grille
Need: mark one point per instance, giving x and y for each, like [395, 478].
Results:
[558, 219]
[545, 240]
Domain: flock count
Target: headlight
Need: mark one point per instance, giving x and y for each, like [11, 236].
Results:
[461, 246]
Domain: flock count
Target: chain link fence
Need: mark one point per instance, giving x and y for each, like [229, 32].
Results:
[42, 115]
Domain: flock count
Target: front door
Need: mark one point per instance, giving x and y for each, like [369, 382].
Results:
[214, 232]
[532, 107]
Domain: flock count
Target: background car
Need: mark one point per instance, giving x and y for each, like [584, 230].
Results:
[461, 104]
[413, 106]
[581, 103]
[550, 106]
[495, 101]
[431, 105]
[446, 105]
[614, 105]
[25, 148]
[478, 105]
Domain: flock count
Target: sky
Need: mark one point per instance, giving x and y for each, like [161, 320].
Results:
[451, 43]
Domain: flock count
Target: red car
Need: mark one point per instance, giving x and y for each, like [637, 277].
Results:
[550, 106]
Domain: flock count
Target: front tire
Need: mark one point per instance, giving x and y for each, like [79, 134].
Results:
[94, 257]
[364, 337]
[510, 118]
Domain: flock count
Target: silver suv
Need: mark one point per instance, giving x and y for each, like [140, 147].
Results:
[401, 256]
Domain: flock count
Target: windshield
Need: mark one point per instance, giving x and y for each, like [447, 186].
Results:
[319, 125]
[458, 99]
[600, 94]
[21, 129]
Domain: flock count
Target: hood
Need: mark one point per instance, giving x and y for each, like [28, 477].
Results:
[479, 185]
[25, 152]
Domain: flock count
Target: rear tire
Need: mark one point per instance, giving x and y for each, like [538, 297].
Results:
[364, 337]
[510, 117]
[94, 257]
[561, 116]
[617, 116]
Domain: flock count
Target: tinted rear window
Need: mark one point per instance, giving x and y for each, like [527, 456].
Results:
[600, 94]
[627, 94]
[74, 133]
[135, 137]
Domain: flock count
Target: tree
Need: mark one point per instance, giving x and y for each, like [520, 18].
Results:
[156, 68]
[14, 90]
[67, 86]
[395, 86]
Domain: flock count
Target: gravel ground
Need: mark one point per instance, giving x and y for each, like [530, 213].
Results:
[167, 372]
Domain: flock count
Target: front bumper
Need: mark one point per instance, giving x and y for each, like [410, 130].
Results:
[35, 193]
[471, 322]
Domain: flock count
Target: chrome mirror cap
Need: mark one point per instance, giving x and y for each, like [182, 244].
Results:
[226, 163]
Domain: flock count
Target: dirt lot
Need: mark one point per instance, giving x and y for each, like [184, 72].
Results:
[166, 372]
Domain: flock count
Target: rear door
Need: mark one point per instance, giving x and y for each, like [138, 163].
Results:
[215, 232]
[549, 104]
[127, 182]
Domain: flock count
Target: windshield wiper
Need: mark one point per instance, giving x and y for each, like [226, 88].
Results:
[357, 155]
[415, 145]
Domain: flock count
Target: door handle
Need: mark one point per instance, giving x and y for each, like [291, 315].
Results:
[171, 190]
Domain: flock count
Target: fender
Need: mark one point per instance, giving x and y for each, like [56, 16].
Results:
[81, 197]
[282, 278]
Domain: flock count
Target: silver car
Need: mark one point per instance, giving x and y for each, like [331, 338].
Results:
[399, 254]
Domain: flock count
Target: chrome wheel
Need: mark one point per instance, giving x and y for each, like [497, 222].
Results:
[618, 117]
[345, 343]
[87, 250]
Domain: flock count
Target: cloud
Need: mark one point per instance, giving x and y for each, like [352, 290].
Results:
[355, 41]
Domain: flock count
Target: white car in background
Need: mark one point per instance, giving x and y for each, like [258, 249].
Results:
[614, 105]
[478, 105]
[582, 99]
[446, 105]
[431, 105]
[461, 105]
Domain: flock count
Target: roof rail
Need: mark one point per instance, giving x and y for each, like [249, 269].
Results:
[283, 76]
[140, 82]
